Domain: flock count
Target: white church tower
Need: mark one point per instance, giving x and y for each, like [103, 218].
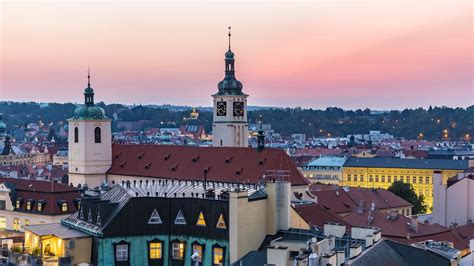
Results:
[230, 126]
[90, 143]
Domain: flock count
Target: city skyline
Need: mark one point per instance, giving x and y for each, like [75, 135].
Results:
[418, 53]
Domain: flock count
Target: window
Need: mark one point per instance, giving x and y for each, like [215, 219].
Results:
[218, 256]
[64, 207]
[383, 179]
[348, 177]
[201, 221]
[2, 205]
[28, 205]
[3, 223]
[76, 135]
[27, 222]
[389, 179]
[40, 207]
[155, 250]
[121, 252]
[180, 218]
[355, 178]
[155, 218]
[427, 180]
[377, 178]
[178, 251]
[16, 224]
[18, 204]
[420, 180]
[198, 249]
[361, 178]
[371, 179]
[414, 180]
[221, 222]
[97, 135]
[395, 178]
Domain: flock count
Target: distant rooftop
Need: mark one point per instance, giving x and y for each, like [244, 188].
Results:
[408, 163]
[328, 161]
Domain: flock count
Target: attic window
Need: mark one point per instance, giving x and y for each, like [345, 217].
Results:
[155, 218]
[141, 155]
[238, 172]
[175, 167]
[64, 207]
[40, 207]
[195, 159]
[201, 221]
[147, 166]
[167, 156]
[262, 161]
[180, 218]
[228, 160]
[117, 155]
[123, 164]
[221, 222]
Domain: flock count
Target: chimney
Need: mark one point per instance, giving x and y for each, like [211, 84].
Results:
[277, 255]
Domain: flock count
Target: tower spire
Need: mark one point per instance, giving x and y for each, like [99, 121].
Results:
[229, 36]
[88, 77]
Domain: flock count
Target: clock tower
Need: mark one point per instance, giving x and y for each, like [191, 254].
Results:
[230, 126]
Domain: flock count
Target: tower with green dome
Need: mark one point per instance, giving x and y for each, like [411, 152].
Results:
[230, 126]
[90, 142]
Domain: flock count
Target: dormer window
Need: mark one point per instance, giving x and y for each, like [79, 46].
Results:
[201, 221]
[154, 218]
[28, 205]
[18, 203]
[180, 218]
[221, 222]
[40, 205]
[64, 207]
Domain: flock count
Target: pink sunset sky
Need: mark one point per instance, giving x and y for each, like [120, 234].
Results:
[380, 54]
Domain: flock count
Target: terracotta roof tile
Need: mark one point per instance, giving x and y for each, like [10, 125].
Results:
[224, 164]
[316, 215]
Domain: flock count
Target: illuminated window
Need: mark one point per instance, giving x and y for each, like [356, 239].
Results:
[64, 207]
[178, 251]
[427, 180]
[27, 222]
[377, 178]
[201, 221]
[348, 177]
[3, 223]
[18, 204]
[361, 178]
[28, 206]
[389, 179]
[218, 256]
[155, 218]
[121, 252]
[420, 180]
[198, 249]
[221, 222]
[16, 224]
[40, 207]
[180, 218]
[155, 250]
[414, 180]
[383, 179]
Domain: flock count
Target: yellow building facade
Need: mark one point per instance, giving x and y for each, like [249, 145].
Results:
[381, 173]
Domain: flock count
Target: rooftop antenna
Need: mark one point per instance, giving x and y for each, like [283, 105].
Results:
[229, 35]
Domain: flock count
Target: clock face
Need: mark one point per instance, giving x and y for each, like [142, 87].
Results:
[238, 109]
[221, 108]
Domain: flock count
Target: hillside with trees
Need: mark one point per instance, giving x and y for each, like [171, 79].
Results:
[433, 123]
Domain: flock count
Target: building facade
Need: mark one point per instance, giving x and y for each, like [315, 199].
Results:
[230, 126]
[325, 169]
[90, 143]
[454, 200]
[382, 172]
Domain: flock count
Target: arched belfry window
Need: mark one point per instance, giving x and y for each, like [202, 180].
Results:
[97, 135]
[76, 135]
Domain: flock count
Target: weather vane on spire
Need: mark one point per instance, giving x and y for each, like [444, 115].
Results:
[229, 36]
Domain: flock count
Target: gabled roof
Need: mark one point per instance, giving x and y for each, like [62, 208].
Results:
[316, 215]
[382, 198]
[408, 163]
[223, 164]
[336, 200]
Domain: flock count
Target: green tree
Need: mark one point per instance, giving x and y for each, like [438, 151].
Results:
[407, 192]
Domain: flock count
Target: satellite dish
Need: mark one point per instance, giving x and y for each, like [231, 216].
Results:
[195, 256]
[314, 240]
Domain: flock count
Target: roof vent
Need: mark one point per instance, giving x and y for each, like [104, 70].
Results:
[195, 159]
[167, 156]
[175, 167]
[117, 155]
[238, 172]
[228, 160]
[141, 155]
[123, 164]
[262, 161]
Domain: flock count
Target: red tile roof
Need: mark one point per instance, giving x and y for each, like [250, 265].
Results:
[336, 200]
[50, 192]
[382, 198]
[316, 215]
[224, 164]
